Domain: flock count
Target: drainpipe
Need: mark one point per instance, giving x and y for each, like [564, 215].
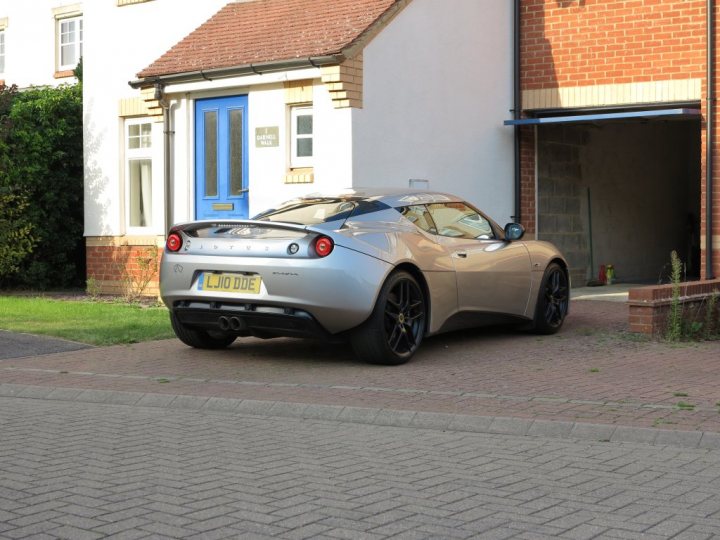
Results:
[709, 140]
[168, 133]
[516, 108]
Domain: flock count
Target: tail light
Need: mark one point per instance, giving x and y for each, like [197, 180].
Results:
[324, 246]
[174, 242]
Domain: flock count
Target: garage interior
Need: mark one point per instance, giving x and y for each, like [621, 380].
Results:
[623, 193]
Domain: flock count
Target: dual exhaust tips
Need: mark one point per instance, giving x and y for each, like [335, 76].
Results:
[231, 323]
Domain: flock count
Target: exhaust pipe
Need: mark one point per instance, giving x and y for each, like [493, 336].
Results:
[236, 324]
[224, 323]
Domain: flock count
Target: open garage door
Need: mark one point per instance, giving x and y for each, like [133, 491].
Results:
[624, 192]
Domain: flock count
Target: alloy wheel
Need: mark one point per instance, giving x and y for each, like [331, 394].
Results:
[556, 297]
[404, 317]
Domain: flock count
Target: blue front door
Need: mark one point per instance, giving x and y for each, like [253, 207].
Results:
[221, 164]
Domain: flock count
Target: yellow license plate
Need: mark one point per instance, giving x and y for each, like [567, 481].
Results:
[225, 282]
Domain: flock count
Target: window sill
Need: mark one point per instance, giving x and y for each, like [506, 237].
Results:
[64, 74]
[300, 176]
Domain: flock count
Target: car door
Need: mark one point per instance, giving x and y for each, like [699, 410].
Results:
[493, 275]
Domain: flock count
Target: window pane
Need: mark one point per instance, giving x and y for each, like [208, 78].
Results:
[305, 147]
[140, 192]
[67, 55]
[145, 135]
[139, 136]
[459, 221]
[236, 150]
[2, 52]
[67, 43]
[305, 124]
[211, 156]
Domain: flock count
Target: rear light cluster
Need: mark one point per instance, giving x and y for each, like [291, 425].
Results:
[324, 246]
[174, 242]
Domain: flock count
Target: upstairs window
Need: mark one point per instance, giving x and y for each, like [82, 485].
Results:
[70, 42]
[301, 137]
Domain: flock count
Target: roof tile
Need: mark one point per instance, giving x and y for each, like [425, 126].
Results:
[262, 31]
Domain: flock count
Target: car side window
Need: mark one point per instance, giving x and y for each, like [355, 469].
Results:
[419, 215]
[458, 220]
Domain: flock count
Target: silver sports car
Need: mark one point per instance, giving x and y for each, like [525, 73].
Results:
[379, 268]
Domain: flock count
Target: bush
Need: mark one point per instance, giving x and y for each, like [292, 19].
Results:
[42, 166]
[16, 239]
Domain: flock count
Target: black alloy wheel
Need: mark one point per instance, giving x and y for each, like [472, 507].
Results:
[553, 300]
[396, 327]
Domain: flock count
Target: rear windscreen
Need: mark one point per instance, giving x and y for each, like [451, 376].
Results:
[321, 210]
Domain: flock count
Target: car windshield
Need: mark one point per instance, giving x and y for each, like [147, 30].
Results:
[310, 211]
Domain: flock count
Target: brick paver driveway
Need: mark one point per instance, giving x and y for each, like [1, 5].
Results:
[87, 471]
[593, 371]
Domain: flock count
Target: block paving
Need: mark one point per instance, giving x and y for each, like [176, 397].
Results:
[87, 471]
[593, 371]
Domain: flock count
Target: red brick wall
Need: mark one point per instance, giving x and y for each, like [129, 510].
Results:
[527, 179]
[650, 306]
[587, 42]
[115, 268]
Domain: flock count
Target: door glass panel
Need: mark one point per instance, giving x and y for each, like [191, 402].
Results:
[211, 157]
[236, 149]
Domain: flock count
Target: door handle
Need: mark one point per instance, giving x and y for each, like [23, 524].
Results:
[460, 254]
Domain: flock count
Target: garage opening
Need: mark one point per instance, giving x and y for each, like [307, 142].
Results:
[623, 193]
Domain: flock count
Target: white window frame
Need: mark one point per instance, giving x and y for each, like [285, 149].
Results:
[77, 44]
[300, 162]
[142, 153]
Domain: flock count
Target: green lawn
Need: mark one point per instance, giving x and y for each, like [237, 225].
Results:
[97, 323]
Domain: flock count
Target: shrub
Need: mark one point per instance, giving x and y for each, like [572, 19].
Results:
[42, 165]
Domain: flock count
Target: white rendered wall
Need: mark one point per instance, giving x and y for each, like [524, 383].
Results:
[118, 43]
[437, 87]
[267, 165]
[30, 42]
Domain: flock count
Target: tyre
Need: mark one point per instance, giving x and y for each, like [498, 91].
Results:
[396, 326]
[553, 301]
[200, 339]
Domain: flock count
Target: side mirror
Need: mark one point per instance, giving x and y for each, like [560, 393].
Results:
[514, 231]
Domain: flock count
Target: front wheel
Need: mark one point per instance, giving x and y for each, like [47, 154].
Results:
[553, 300]
[200, 339]
[395, 329]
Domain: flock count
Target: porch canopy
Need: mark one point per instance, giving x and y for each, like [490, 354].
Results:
[575, 116]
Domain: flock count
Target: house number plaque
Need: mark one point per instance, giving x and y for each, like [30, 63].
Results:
[267, 137]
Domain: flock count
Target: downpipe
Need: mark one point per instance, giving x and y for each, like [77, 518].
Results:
[709, 139]
[516, 109]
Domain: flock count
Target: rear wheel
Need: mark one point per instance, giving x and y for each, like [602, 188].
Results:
[200, 339]
[553, 300]
[395, 329]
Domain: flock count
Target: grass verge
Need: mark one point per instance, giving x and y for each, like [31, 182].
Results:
[97, 323]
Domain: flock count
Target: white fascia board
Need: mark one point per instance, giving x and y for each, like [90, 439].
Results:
[245, 81]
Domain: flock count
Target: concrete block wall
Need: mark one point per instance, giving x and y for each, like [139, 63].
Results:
[560, 198]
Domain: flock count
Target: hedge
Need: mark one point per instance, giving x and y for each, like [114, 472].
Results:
[41, 188]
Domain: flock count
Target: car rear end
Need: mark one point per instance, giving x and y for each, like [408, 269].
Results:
[267, 279]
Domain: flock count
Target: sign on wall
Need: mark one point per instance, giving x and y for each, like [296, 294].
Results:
[267, 137]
